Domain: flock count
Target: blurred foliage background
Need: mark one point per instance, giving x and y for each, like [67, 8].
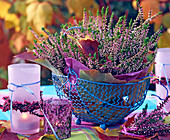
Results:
[17, 15]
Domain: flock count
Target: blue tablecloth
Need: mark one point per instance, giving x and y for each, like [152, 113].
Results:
[49, 91]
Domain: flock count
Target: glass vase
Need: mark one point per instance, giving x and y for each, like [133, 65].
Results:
[24, 74]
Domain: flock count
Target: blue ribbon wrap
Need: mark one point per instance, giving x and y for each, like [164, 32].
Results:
[32, 93]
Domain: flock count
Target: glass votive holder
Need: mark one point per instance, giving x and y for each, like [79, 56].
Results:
[22, 77]
[59, 114]
[162, 57]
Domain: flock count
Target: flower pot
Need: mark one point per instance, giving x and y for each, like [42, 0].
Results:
[101, 103]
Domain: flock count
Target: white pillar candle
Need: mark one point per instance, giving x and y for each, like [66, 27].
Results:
[162, 57]
[24, 123]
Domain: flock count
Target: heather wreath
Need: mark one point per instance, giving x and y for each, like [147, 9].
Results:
[99, 44]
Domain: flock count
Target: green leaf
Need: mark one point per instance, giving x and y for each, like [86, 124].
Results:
[130, 23]
[107, 134]
[47, 137]
[107, 10]
[167, 120]
[150, 57]
[18, 7]
[2, 131]
[47, 64]
[21, 137]
[146, 107]
[129, 121]
[30, 56]
[23, 24]
[96, 76]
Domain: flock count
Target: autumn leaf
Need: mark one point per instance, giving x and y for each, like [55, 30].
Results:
[97, 76]
[153, 5]
[2, 131]
[112, 132]
[75, 65]
[88, 46]
[19, 41]
[43, 16]
[21, 137]
[134, 4]
[47, 137]
[26, 56]
[29, 56]
[18, 7]
[30, 1]
[132, 75]
[167, 120]
[166, 20]
[41, 124]
[164, 40]
[4, 6]
[2, 121]
[7, 125]
[77, 6]
[23, 24]
[107, 134]
[151, 68]
[129, 121]
[31, 11]
[56, 2]
[29, 35]
[38, 15]
[156, 27]
[12, 21]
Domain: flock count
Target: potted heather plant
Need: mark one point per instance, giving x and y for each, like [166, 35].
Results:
[101, 67]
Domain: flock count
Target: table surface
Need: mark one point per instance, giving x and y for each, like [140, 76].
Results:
[84, 130]
[49, 91]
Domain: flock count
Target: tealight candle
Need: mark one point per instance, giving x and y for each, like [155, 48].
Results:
[24, 116]
[28, 75]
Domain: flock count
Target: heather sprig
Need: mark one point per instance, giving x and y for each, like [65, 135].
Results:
[123, 47]
[151, 123]
[50, 49]
[22, 107]
[126, 47]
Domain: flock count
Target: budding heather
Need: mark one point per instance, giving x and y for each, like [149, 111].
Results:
[149, 124]
[102, 11]
[107, 10]
[122, 48]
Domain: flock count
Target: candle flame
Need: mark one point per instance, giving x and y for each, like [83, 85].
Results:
[24, 116]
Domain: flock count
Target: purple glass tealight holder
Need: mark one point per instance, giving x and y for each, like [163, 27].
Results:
[59, 114]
